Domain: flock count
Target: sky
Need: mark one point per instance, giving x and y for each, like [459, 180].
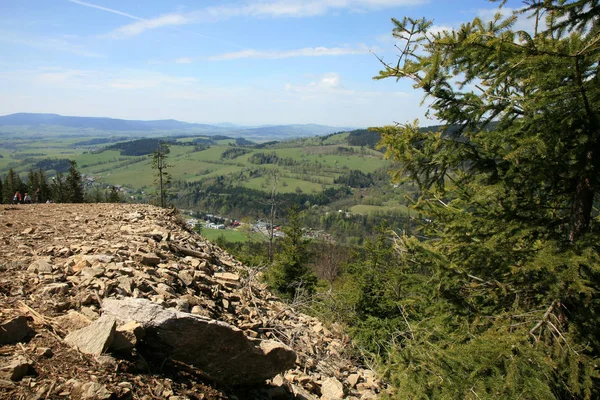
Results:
[248, 62]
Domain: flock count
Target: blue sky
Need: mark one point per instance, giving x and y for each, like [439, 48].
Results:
[247, 62]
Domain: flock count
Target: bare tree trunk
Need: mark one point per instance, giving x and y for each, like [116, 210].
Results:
[160, 175]
[271, 227]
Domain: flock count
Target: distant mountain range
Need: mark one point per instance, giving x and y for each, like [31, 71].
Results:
[166, 127]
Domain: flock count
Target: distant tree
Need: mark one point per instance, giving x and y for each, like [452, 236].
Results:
[95, 195]
[139, 147]
[12, 184]
[291, 274]
[363, 137]
[329, 261]
[234, 153]
[273, 179]
[58, 189]
[1, 192]
[74, 185]
[113, 195]
[163, 178]
[38, 186]
[355, 178]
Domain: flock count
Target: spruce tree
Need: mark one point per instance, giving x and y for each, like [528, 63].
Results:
[12, 184]
[511, 308]
[31, 182]
[291, 275]
[113, 196]
[58, 189]
[74, 185]
[44, 189]
[37, 186]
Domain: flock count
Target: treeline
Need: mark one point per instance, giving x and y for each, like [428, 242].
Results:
[364, 137]
[57, 164]
[67, 187]
[233, 153]
[219, 197]
[140, 147]
[355, 179]
[99, 141]
[271, 158]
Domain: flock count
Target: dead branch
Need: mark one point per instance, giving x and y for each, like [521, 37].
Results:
[544, 319]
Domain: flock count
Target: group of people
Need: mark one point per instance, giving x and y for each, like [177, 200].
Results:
[25, 199]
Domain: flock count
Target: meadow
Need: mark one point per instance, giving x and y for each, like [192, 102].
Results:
[307, 165]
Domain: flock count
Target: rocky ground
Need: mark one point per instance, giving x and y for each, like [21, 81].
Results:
[104, 301]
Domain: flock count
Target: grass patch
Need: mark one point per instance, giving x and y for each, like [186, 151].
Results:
[229, 234]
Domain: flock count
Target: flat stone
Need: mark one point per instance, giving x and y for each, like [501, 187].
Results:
[125, 282]
[40, 266]
[95, 338]
[332, 389]
[55, 288]
[90, 391]
[101, 258]
[226, 276]
[147, 259]
[81, 265]
[165, 290]
[93, 272]
[353, 380]
[186, 277]
[13, 330]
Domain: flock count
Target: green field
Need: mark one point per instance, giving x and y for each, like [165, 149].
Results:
[306, 166]
[229, 234]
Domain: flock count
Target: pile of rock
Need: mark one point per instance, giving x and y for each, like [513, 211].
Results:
[132, 282]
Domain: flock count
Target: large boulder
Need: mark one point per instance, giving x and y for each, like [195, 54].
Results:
[220, 350]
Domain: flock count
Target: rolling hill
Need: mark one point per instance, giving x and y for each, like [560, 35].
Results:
[15, 123]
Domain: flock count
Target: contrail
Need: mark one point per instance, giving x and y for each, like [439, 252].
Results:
[124, 14]
[110, 10]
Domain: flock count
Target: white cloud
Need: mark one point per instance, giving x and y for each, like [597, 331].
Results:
[304, 52]
[306, 8]
[139, 27]
[326, 83]
[58, 44]
[330, 81]
[261, 8]
[184, 60]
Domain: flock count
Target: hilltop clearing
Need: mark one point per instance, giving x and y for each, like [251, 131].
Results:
[102, 301]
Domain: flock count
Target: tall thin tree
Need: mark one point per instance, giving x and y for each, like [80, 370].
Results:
[163, 178]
